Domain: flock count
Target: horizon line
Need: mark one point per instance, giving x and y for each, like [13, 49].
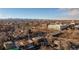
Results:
[33, 19]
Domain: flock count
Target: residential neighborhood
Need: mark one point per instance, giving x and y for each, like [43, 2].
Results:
[39, 35]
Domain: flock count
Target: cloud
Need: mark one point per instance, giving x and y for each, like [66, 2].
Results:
[72, 13]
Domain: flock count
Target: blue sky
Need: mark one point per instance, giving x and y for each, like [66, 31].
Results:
[40, 13]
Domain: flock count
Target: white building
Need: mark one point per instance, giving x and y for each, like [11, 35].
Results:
[55, 27]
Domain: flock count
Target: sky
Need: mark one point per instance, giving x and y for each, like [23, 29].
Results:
[40, 13]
